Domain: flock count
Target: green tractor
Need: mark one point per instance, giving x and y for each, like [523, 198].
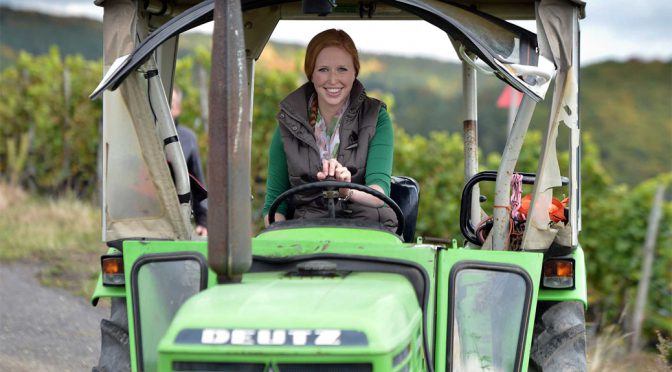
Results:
[335, 294]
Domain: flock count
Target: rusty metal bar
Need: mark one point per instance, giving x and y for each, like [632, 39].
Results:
[229, 215]
[470, 132]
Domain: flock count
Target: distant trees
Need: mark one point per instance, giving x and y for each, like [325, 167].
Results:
[49, 138]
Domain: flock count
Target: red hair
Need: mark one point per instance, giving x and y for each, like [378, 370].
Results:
[328, 38]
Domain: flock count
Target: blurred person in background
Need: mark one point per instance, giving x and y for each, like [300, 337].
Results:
[189, 144]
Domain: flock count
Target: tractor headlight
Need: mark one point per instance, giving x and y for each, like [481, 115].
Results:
[402, 356]
[113, 270]
[558, 274]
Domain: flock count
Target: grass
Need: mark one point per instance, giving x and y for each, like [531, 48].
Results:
[61, 235]
[608, 351]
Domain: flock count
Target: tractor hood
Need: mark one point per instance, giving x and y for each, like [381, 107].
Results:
[298, 314]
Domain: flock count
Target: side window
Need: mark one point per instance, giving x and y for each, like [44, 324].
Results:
[160, 284]
[488, 317]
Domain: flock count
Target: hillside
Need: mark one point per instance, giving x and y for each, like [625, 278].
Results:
[36, 33]
[626, 107]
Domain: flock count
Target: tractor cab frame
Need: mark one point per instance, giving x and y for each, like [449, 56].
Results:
[244, 307]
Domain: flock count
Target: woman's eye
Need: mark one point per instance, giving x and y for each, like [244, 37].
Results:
[323, 69]
[342, 69]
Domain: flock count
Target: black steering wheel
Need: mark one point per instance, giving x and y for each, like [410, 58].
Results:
[330, 192]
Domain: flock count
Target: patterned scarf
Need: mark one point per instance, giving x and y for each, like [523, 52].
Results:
[327, 136]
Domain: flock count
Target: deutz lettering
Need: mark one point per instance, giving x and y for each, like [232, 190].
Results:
[294, 337]
[271, 337]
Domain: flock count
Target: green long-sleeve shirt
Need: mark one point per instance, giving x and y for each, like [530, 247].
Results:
[378, 162]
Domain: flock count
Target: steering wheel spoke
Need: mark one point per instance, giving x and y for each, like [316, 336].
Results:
[330, 194]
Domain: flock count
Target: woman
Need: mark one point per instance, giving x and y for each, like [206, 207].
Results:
[329, 127]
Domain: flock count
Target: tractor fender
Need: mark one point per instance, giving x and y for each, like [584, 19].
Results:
[107, 291]
[102, 291]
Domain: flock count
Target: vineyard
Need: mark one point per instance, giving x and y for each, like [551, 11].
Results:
[49, 146]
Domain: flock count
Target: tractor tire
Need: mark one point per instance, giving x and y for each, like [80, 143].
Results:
[115, 355]
[559, 339]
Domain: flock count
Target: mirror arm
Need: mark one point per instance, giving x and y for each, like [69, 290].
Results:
[481, 67]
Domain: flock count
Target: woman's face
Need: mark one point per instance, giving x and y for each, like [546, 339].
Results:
[333, 77]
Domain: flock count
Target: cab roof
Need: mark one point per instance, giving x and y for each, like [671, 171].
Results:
[505, 9]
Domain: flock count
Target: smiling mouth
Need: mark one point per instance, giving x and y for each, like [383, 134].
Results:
[333, 90]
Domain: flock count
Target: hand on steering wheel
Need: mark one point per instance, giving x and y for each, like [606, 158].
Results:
[333, 170]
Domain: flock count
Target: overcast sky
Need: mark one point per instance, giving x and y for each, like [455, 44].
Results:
[612, 30]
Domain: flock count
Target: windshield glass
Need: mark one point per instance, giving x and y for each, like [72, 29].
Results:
[487, 320]
[129, 185]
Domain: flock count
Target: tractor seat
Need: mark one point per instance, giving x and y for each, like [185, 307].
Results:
[405, 191]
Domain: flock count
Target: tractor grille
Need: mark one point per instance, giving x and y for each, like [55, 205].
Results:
[218, 367]
[256, 367]
[324, 367]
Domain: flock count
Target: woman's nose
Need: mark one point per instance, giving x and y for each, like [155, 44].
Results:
[332, 77]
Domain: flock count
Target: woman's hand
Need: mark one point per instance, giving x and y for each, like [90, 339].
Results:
[332, 168]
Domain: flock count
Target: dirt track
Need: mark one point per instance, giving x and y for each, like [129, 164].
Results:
[45, 329]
